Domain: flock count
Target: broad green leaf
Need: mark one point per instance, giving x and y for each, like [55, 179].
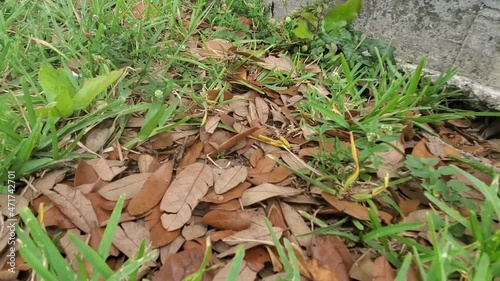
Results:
[46, 111]
[310, 17]
[341, 15]
[302, 31]
[92, 87]
[64, 106]
[55, 83]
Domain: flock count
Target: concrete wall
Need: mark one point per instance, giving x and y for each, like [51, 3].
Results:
[463, 33]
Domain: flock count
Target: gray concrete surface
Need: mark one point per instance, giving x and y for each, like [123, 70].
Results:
[449, 33]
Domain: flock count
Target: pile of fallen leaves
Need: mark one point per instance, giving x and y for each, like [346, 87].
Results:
[220, 179]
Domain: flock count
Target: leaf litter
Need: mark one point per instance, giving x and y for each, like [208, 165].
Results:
[177, 193]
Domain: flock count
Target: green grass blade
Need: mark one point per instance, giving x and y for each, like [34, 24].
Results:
[234, 271]
[98, 263]
[50, 251]
[127, 270]
[391, 230]
[403, 270]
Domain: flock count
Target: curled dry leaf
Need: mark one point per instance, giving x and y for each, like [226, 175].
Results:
[229, 179]
[131, 186]
[236, 220]
[74, 205]
[182, 197]
[152, 191]
[265, 191]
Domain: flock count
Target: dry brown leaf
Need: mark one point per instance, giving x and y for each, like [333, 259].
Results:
[275, 176]
[353, 209]
[263, 165]
[162, 141]
[382, 270]
[103, 170]
[234, 193]
[229, 179]
[192, 153]
[177, 266]
[96, 138]
[131, 186]
[265, 191]
[55, 217]
[362, 269]
[188, 187]
[107, 169]
[256, 258]
[239, 107]
[256, 233]
[102, 207]
[327, 251]
[152, 191]
[74, 205]
[236, 220]
[297, 225]
[408, 206]
[245, 273]
[128, 237]
[420, 150]
[281, 63]
[293, 161]
[212, 123]
[391, 159]
[319, 273]
[147, 163]
[159, 235]
[233, 205]
[69, 248]
[47, 182]
[255, 156]
[275, 215]
[217, 48]
[85, 173]
[194, 229]
[262, 110]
